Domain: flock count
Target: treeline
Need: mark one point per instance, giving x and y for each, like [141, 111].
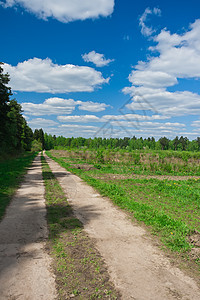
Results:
[15, 134]
[134, 143]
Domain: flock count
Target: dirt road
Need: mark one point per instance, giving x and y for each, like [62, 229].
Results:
[138, 268]
[24, 266]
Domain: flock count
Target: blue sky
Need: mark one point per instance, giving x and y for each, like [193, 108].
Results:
[104, 67]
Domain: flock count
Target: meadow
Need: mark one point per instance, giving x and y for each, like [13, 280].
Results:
[159, 189]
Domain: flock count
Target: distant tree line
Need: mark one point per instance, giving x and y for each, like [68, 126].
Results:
[134, 143]
[15, 134]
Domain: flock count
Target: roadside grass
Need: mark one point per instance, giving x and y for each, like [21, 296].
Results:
[12, 171]
[79, 268]
[170, 208]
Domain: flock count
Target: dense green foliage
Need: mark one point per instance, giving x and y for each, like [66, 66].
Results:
[177, 144]
[11, 173]
[15, 134]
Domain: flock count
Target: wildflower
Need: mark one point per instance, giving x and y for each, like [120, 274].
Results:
[171, 232]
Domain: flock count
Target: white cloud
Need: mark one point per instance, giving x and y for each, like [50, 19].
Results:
[64, 10]
[41, 123]
[92, 118]
[117, 128]
[114, 127]
[51, 106]
[77, 126]
[92, 106]
[196, 124]
[178, 56]
[149, 125]
[164, 102]
[43, 76]
[137, 117]
[96, 58]
[78, 130]
[145, 30]
[79, 119]
[150, 78]
[56, 106]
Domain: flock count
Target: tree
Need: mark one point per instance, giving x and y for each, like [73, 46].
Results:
[198, 143]
[15, 125]
[15, 134]
[176, 142]
[164, 142]
[184, 142]
[41, 137]
[27, 136]
[38, 135]
[5, 93]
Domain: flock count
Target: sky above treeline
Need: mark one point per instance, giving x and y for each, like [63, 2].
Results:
[109, 68]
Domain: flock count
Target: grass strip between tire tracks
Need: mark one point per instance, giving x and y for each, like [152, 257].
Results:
[79, 268]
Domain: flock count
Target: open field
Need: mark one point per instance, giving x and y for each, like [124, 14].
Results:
[11, 174]
[160, 190]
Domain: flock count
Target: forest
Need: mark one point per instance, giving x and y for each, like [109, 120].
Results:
[15, 134]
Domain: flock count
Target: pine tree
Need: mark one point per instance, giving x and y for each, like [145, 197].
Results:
[15, 134]
[5, 93]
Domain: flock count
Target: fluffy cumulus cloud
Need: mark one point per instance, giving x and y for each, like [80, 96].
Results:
[40, 122]
[146, 30]
[96, 58]
[196, 124]
[109, 126]
[177, 57]
[64, 10]
[43, 76]
[116, 128]
[129, 118]
[78, 119]
[125, 125]
[56, 106]
[92, 106]
[78, 130]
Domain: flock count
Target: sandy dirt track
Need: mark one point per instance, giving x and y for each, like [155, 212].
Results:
[137, 268]
[25, 272]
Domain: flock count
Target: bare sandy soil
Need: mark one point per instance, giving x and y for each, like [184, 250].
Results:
[136, 176]
[25, 272]
[137, 267]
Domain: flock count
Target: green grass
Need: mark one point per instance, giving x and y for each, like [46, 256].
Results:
[80, 271]
[11, 174]
[170, 208]
[139, 162]
[173, 231]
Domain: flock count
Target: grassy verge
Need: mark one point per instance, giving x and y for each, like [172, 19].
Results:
[80, 271]
[170, 208]
[11, 174]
